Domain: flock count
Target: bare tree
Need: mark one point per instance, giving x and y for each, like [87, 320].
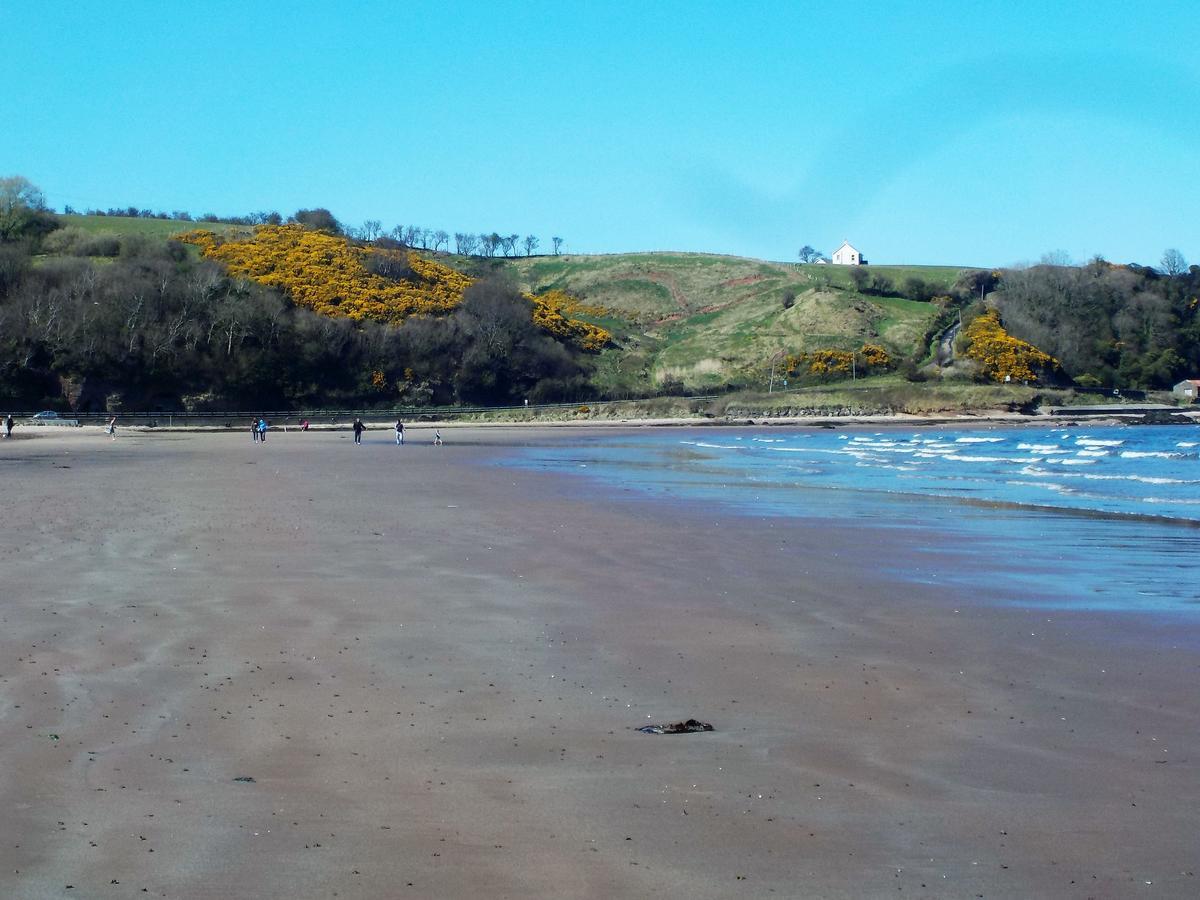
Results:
[557, 242]
[1173, 262]
[510, 244]
[371, 229]
[440, 239]
[531, 244]
[809, 254]
[1058, 258]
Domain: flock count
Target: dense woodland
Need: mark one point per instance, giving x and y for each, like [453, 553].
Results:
[144, 323]
[109, 320]
[1110, 325]
[155, 328]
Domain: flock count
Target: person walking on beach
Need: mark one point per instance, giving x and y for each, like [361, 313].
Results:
[262, 430]
[437, 437]
[399, 432]
[254, 430]
[8, 424]
[111, 428]
[358, 430]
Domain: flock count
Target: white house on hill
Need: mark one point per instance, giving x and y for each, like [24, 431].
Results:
[848, 255]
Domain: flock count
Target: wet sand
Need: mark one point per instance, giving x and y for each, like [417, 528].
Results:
[433, 669]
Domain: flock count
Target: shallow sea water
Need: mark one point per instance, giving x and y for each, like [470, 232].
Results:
[1104, 518]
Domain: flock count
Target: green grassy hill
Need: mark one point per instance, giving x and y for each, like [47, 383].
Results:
[701, 319]
[162, 228]
[709, 320]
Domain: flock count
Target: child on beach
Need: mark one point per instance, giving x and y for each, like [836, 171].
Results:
[262, 430]
[358, 430]
[254, 430]
[437, 437]
[111, 428]
[8, 424]
[399, 432]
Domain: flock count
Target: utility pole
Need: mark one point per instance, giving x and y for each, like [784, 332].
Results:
[774, 358]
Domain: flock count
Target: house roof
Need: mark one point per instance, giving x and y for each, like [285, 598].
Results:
[847, 244]
[1195, 381]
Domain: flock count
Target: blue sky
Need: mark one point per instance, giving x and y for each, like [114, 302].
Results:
[974, 134]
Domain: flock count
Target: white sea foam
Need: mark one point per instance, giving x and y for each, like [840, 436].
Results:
[1144, 479]
[958, 457]
[1142, 454]
[1186, 444]
[1073, 462]
[1093, 453]
[1095, 442]
[1048, 485]
[1096, 476]
[977, 440]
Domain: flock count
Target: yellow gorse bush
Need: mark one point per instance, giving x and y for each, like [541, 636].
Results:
[826, 363]
[875, 356]
[553, 311]
[328, 275]
[1000, 354]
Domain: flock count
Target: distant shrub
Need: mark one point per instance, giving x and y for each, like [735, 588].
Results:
[134, 245]
[102, 244]
[880, 285]
[64, 241]
[319, 219]
[874, 357]
[918, 289]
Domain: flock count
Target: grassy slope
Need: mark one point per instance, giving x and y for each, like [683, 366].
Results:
[152, 227]
[705, 319]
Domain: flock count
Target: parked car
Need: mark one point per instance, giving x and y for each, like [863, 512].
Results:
[46, 414]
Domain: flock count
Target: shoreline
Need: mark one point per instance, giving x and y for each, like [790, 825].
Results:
[982, 418]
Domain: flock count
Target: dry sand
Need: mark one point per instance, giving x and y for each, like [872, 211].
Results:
[433, 669]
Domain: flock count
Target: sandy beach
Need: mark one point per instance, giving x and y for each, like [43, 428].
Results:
[309, 669]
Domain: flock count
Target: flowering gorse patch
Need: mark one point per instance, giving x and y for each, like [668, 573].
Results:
[828, 363]
[328, 274]
[1002, 356]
